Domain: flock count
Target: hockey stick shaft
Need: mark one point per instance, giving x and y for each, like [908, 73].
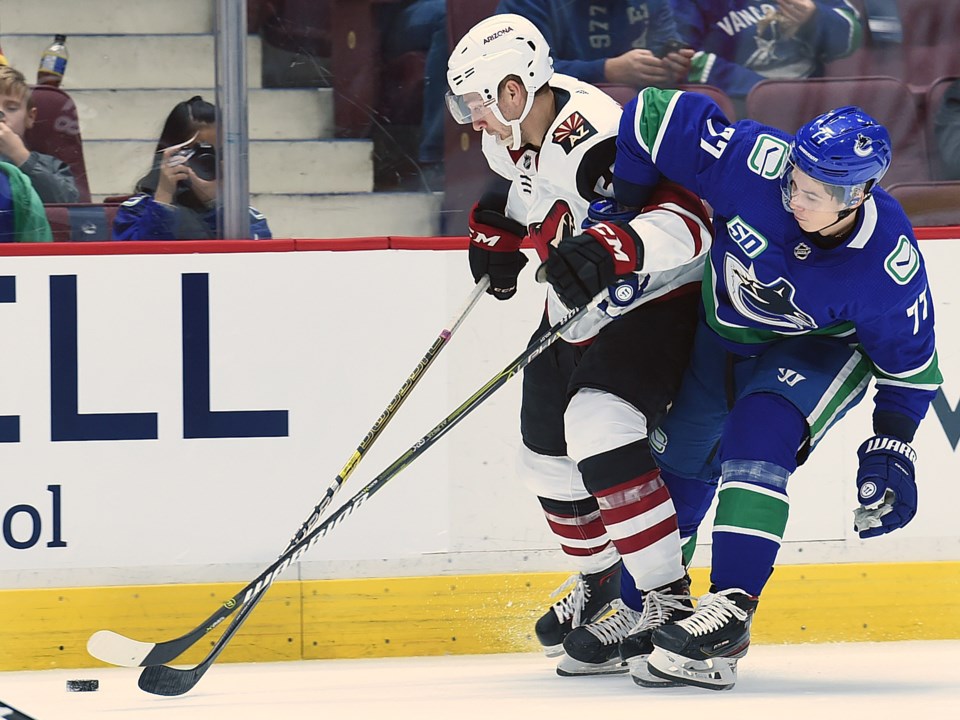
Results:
[388, 413]
[164, 680]
[134, 653]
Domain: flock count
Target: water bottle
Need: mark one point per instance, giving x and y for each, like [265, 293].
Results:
[53, 62]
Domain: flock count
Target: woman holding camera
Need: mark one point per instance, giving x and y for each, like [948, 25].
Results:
[177, 199]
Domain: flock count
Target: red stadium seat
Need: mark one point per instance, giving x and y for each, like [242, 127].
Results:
[929, 203]
[57, 132]
[788, 104]
[81, 222]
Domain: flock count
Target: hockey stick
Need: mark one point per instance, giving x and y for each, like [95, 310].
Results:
[11, 713]
[165, 680]
[117, 649]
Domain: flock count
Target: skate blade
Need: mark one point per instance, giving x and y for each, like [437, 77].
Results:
[568, 667]
[644, 678]
[713, 674]
[552, 651]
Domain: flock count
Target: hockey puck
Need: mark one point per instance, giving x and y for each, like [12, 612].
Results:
[83, 685]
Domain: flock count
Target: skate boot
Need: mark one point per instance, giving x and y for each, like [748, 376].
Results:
[589, 599]
[666, 604]
[594, 648]
[703, 649]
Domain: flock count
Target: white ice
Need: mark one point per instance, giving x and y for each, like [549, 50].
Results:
[873, 681]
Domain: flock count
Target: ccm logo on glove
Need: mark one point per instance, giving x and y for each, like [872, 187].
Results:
[610, 237]
[495, 248]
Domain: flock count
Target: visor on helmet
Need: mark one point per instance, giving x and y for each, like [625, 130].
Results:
[467, 108]
[822, 197]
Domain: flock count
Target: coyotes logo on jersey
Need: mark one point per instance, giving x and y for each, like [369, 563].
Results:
[572, 131]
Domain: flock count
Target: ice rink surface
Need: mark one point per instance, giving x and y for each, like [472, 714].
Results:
[901, 681]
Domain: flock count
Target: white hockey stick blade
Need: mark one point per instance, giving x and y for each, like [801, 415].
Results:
[118, 649]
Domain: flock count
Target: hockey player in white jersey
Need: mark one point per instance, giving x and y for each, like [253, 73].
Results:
[589, 402]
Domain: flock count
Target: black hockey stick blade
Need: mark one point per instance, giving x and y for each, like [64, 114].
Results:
[8, 712]
[117, 649]
[165, 680]
[170, 681]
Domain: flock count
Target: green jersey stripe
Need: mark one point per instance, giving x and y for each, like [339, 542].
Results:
[750, 508]
[847, 385]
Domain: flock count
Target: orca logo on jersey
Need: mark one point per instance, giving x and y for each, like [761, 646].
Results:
[767, 303]
[573, 131]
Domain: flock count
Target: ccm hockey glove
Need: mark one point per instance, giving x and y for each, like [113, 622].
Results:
[583, 265]
[495, 249]
[886, 486]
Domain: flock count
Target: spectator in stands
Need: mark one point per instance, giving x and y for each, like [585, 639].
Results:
[947, 125]
[610, 41]
[421, 25]
[741, 42]
[22, 218]
[50, 176]
[177, 199]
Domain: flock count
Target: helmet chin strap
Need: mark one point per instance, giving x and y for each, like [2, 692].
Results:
[842, 215]
[514, 125]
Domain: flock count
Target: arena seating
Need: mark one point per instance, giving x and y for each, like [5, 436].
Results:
[787, 104]
[81, 222]
[929, 203]
[932, 101]
[57, 132]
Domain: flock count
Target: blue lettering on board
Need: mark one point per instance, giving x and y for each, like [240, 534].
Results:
[66, 422]
[199, 421]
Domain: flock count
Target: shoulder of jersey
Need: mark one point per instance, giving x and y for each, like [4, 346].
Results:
[896, 248]
[589, 116]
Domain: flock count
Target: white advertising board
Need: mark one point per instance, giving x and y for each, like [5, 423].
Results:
[175, 418]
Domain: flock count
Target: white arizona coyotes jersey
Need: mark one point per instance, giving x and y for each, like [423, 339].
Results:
[575, 164]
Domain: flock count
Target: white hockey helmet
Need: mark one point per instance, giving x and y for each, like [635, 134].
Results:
[493, 50]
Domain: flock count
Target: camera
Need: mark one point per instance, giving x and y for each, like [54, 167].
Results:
[201, 158]
[2, 115]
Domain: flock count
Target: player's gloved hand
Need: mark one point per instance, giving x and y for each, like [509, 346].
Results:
[495, 249]
[886, 486]
[583, 265]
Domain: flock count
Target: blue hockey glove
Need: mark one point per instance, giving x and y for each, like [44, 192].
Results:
[886, 486]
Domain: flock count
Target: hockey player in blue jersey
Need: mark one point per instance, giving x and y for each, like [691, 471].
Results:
[814, 285]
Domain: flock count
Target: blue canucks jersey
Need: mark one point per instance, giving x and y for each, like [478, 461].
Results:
[765, 279]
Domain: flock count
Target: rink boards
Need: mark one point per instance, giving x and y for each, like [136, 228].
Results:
[171, 414]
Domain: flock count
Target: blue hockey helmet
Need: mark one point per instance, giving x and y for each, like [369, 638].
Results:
[844, 148]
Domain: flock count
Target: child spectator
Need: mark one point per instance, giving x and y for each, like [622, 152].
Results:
[741, 42]
[50, 176]
[177, 199]
[22, 218]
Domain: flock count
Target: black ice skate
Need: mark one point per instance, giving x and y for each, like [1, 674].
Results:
[589, 599]
[666, 604]
[594, 648]
[703, 649]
